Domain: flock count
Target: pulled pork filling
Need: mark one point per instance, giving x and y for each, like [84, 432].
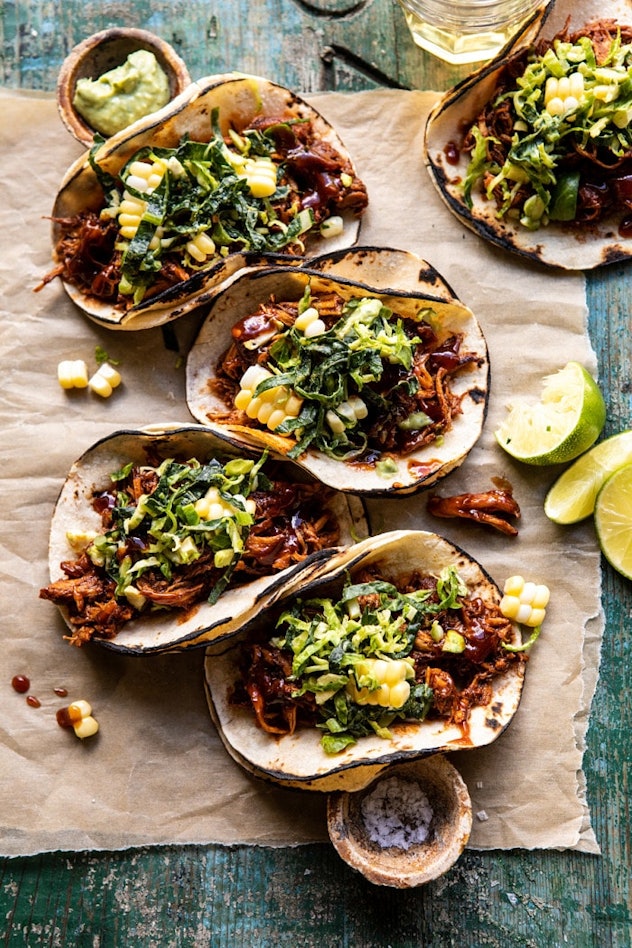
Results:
[182, 533]
[387, 651]
[555, 142]
[350, 378]
[172, 212]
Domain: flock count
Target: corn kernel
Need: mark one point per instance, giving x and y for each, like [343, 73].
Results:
[242, 398]
[72, 373]
[263, 415]
[524, 602]
[335, 423]
[277, 418]
[78, 716]
[105, 380]
[79, 709]
[137, 183]
[253, 375]
[315, 328]
[129, 220]
[391, 691]
[332, 227]
[87, 727]
[555, 106]
[306, 317]
[253, 407]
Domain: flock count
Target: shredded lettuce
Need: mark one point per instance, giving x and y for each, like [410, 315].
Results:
[201, 191]
[329, 639]
[327, 369]
[170, 530]
[532, 182]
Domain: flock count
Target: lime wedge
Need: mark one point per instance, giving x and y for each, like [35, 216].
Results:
[566, 421]
[613, 520]
[572, 496]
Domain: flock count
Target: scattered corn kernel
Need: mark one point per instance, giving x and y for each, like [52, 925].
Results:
[382, 682]
[310, 323]
[261, 175]
[353, 410]
[201, 247]
[78, 716]
[524, 602]
[72, 373]
[105, 380]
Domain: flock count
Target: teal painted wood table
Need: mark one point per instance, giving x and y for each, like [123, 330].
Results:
[306, 896]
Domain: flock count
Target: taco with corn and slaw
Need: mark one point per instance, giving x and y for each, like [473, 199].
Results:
[372, 389]
[163, 540]
[151, 221]
[398, 649]
[535, 153]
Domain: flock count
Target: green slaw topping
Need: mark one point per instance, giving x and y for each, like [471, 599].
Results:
[329, 638]
[201, 192]
[535, 183]
[169, 530]
[328, 369]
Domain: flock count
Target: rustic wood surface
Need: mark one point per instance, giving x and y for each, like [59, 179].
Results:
[250, 896]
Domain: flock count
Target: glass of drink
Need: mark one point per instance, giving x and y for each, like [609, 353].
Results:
[466, 31]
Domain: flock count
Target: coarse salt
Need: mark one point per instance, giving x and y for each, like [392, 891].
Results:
[397, 813]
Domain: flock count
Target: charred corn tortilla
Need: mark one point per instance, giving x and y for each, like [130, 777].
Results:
[550, 235]
[298, 759]
[202, 622]
[223, 104]
[403, 283]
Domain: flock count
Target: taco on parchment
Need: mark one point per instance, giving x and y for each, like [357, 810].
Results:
[361, 366]
[534, 151]
[167, 539]
[398, 650]
[149, 223]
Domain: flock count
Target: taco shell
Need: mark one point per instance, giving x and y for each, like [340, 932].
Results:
[298, 760]
[240, 98]
[404, 283]
[580, 247]
[171, 630]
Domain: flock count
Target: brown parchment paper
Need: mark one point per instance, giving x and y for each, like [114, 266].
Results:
[157, 773]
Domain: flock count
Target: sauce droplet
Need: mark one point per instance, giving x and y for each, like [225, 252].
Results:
[20, 683]
[33, 702]
[452, 154]
[61, 692]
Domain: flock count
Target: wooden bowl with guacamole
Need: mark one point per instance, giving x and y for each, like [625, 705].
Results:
[115, 77]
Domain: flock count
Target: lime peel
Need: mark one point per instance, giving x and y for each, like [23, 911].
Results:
[566, 421]
[572, 497]
[613, 520]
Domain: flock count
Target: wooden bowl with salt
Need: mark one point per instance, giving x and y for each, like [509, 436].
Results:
[409, 826]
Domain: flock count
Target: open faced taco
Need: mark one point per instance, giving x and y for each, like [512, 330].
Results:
[153, 220]
[397, 650]
[365, 369]
[163, 540]
[534, 151]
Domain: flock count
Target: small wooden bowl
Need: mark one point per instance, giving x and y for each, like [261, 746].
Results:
[448, 831]
[101, 52]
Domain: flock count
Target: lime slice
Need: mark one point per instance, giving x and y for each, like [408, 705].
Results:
[566, 421]
[572, 496]
[613, 520]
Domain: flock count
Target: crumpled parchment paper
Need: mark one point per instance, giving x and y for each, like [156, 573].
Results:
[157, 772]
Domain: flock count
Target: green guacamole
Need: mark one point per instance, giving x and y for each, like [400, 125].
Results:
[124, 94]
